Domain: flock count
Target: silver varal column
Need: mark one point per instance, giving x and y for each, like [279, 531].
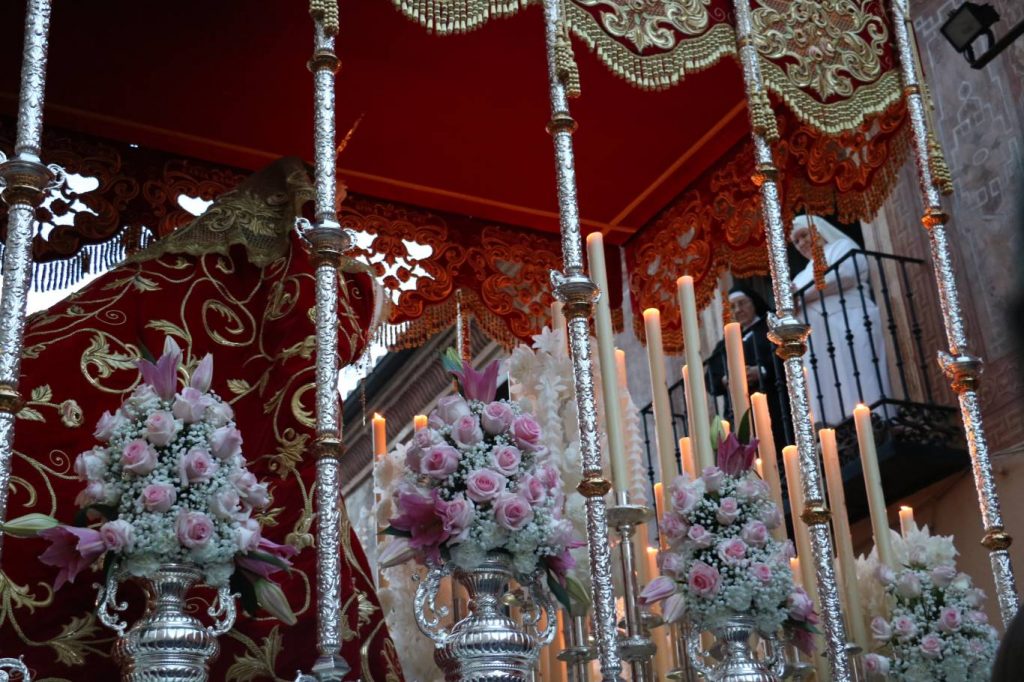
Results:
[24, 181]
[327, 243]
[790, 335]
[961, 367]
[578, 293]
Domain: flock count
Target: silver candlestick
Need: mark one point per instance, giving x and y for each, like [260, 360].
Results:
[578, 650]
[636, 647]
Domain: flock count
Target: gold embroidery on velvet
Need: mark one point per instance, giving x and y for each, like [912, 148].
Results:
[259, 660]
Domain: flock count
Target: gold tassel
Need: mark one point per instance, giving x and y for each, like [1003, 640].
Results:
[820, 263]
[565, 62]
[726, 308]
[326, 12]
[762, 117]
[941, 176]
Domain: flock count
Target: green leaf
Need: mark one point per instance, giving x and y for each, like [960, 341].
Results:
[578, 595]
[42, 394]
[451, 360]
[30, 414]
[108, 512]
[238, 386]
[560, 593]
[716, 433]
[241, 584]
[743, 432]
[391, 530]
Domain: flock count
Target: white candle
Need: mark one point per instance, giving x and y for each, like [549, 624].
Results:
[690, 423]
[759, 467]
[791, 460]
[686, 457]
[907, 523]
[794, 568]
[641, 547]
[380, 437]
[873, 482]
[769, 455]
[738, 392]
[419, 422]
[698, 395]
[844, 541]
[662, 408]
[659, 500]
[606, 354]
[726, 428]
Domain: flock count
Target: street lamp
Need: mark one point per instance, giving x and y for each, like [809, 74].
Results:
[970, 21]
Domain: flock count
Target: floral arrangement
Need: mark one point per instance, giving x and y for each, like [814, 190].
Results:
[168, 484]
[722, 561]
[931, 625]
[479, 480]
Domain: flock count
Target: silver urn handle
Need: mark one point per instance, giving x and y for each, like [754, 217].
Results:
[223, 611]
[426, 598]
[692, 637]
[776, 659]
[540, 605]
[13, 665]
[107, 606]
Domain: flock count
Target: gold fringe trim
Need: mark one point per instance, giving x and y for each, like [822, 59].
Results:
[565, 62]
[762, 117]
[726, 308]
[941, 176]
[326, 12]
[820, 262]
[447, 17]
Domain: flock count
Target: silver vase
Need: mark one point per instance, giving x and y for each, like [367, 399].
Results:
[737, 660]
[486, 645]
[168, 644]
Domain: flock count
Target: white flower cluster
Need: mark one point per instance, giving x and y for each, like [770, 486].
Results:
[480, 480]
[172, 482]
[722, 558]
[933, 627]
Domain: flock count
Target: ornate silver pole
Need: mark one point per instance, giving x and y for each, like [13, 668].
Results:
[24, 181]
[578, 293]
[790, 335]
[962, 368]
[327, 242]
[636, 647]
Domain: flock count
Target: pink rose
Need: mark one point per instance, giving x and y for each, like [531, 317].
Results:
[700, 537]
[190, 405]
[422, 441]
[658, 589]
[91, 464]
[226, 442]
[975, 598]
[674, 528]
[247, 535]
[96, 491]
[903, 627]
[434, 421]
[712, 477]
[456, 516]
[138, 457]
[771, 517]
[219, 413]
[483, 485]
[671, 564]
[761, 572]
[908, 585]
[161, 428]
[118, 536]
[943, 576]
[732, 551]
[704, 580]
[249, 489]
[751, 489]
[799, 604]
[194, 529]
[496, 418]
[876, 665]
[880, 629]
[532, 489]
[931, 646]
[440, 462]
[505, 460]
[977, 617]
[157, 497]
[549, 476]
[226, 504]
[466, 430]
[754, 533]
[196, 466]
[106, 426]
[685, 497]
[950, 619]
[451, 407]
[512, 511]
[885, 575]
[728, 511]
[526, 432]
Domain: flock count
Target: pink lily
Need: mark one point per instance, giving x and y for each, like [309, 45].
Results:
[264, 568]
[72, 550]
[203, 376]
[476, 385]
[163, 376]
[734, 457]
[658, 589]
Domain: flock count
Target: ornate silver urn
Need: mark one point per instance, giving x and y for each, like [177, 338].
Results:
[737, 659]
[486, 645]
[167, 644]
